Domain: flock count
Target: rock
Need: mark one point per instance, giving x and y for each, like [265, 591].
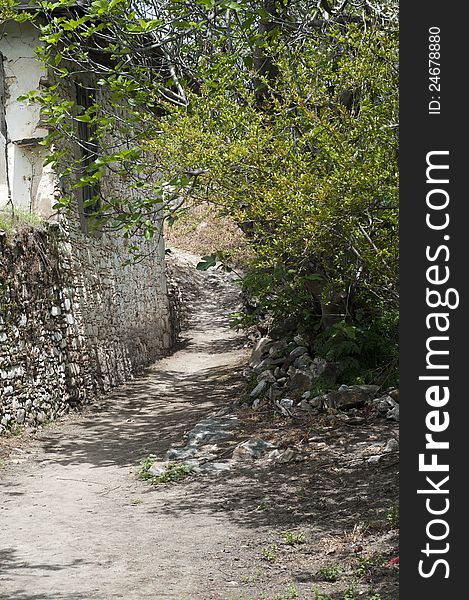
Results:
[369, 389]
[301, 381]
[260, 389]
[278, 349]
[283, 329]
[298, 351]
[267, 364]
[213, 468]
[260, 349]
[298, 339]
[393, 414]
[345, 398]
[317, 401]
[267, 376]
[275, 391]
[211, 429]
[384, 403]
[374, 460]
[285, 405]
[252, 449]
[322, 368]
[391, 446]
[181, 453]
[303, 362]
[158, 468]
[306, 406]
[20, 416]
[277, 456]
[394, 395]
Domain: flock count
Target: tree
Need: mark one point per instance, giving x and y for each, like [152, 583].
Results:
[281, 113]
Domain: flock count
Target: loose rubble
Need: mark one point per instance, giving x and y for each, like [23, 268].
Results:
[286, 375]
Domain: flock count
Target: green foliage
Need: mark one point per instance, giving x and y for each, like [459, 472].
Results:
[174, 472]
[11, 220]
[6, 9]
[269, 553]
[392, 517]
[314, 185]
[290, 132]
[292, 539]
[329, 572]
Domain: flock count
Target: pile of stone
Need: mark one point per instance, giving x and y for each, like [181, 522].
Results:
[286, 375]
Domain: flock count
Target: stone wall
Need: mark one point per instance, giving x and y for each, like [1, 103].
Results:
[75, 319]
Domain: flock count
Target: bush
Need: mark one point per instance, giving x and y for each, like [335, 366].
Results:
[312, 180]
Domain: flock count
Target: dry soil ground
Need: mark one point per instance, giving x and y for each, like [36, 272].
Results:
[76, 522]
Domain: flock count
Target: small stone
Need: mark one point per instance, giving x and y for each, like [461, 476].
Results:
[260, 349]
[267, 376]
[384, 403]
[285, 406]
[297, 352]
[287, 456]
[158, 468]
[345, 398]
[393, 414]
[392, 445]
[252, 449]
[301, 381]
[260, 388]
[374, 460]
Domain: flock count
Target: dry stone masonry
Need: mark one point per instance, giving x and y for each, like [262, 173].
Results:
[75, 320]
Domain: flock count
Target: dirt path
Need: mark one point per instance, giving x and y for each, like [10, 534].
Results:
[77, 524]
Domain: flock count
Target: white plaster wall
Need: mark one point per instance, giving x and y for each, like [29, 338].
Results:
[23, 73]
[3, 180]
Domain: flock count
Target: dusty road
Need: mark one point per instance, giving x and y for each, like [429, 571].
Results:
[76, 523]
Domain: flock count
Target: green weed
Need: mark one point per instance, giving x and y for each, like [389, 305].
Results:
[292, 539]
[270, 554]
[330, 572]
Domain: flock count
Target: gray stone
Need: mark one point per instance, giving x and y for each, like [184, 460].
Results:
[285, 405]
[393, 414]
[306, 406]
[345, 398]
[158, 468]
[264, 365]
[282, 457]
[252, 449]
[301, 381]
[317, 401]
[323, 368]
[260, 389]
[374, 460]
[298, 351]
[20, 416]
[369, 389]
[213, 468]
[278, 349]
[303, 362]
[275, 391]
[260, 349]
[392, 445]
[267, 376]
[384, 403]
